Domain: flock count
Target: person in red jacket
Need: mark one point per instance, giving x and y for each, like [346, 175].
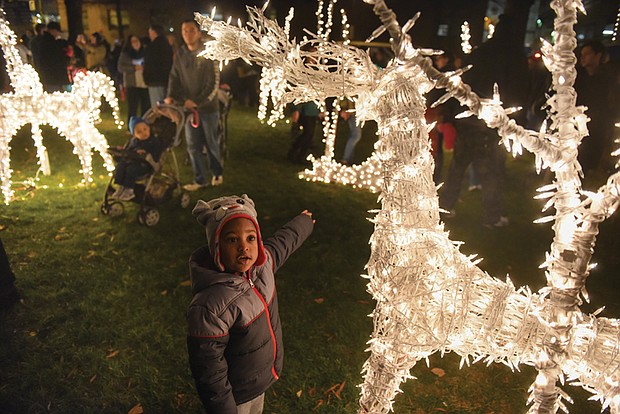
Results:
[235, 335]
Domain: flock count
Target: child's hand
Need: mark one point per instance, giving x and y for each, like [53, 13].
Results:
[309, 214]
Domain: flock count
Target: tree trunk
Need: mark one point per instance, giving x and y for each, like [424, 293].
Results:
[74, 18]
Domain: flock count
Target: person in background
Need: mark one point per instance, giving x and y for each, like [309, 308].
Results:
[131, 65]
[54, 59]
[97, 50]
[500, 60]
[157, 64]
[234, 331]
[194, 84]
[347, 113]
[595, 89]
[35, 45]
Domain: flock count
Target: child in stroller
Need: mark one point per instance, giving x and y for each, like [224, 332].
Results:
[139, 158]
[146, 168]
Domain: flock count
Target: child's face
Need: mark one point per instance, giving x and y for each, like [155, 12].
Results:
[142, 131]
[238, 245]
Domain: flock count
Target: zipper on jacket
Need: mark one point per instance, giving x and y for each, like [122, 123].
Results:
[271, 332]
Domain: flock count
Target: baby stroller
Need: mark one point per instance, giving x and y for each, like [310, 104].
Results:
[163, 183]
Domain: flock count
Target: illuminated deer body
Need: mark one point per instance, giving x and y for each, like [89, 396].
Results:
[430, 297]
[74, 114]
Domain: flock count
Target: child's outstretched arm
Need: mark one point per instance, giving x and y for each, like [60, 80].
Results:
[289, 238]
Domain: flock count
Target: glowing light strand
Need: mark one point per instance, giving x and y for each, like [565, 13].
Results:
[430, 297]
[73, 114]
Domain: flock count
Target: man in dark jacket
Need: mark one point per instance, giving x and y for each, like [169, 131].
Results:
[157, 64]
[235, 335]
[53, 59]
[194, 83]
[499, 61]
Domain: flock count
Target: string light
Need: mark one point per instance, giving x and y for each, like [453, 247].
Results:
[616, 24]
[431, 297]
[465, 38]
[73, 114]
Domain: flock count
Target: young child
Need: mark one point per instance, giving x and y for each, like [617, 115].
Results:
[144, 151]
[235, 335]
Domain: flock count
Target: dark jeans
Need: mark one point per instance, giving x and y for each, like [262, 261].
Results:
[301, 147]
[127, 173]
[137, 98]
[476, 144]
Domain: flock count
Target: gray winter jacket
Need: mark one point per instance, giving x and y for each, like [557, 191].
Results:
[194, 78]
[235, 335]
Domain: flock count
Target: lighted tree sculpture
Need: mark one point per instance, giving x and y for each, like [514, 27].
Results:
[74, 114]
[430, 297]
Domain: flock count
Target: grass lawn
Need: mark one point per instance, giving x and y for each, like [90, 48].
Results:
[101, 327]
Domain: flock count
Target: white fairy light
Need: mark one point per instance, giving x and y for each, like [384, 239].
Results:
[73, 114]
[430, 297]
[491, 31]
[616, 24]
[465, 38]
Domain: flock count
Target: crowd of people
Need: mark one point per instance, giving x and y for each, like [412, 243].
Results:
[477, 158]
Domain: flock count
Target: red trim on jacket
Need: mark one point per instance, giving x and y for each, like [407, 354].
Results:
[271, 332]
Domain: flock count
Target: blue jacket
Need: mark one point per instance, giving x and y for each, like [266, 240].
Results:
[235, 335]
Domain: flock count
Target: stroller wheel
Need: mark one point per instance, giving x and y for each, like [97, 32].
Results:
[114, 209]
[185, 200]
[148, 217]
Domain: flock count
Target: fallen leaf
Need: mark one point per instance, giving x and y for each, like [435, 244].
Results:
[312, 392]
[164, 292]
[99, 235]
[112, 354]
[137, 409]
[298, 393]
[339, 390]
[319, 300]
[318, 404]
[186, 283]
[90, 254]
[363, 302]
[33, 333]
[2, 227]
[439, 372]
[31, 254]
[93, 378]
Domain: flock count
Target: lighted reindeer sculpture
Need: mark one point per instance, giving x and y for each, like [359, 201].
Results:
[74, 114]
[430, 297]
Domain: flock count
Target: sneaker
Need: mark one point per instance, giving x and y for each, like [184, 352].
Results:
[502, 222]
[193, 186]
[448, 214]
[127, 194]
[217, 180]
[118, 192]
